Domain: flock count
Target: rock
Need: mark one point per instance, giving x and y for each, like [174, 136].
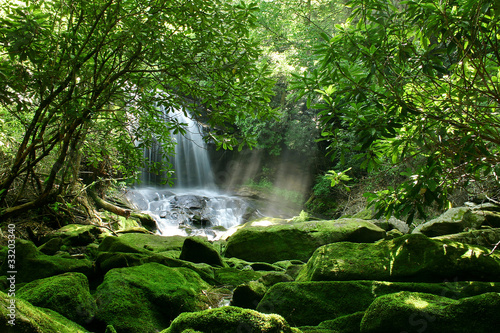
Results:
[310, 303]
[31, 264]
[108, 260]
[198, 250]
[412, 257]
[32, 319]
[482, 237]
[394, 233]
[67, 294]
[392, 223]
[418, 312]
[453, 221]
[229, 319]
[248, 295]
[141, 243]
[233, 277]
[298, 240]
[271, 278]
[345, 324]
[146, 298]
[75, 234]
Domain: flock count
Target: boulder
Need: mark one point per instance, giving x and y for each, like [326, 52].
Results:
[392, 223]
[453, 221]
[345, 324]
[297, 240]
[31, 264]
[233, 277]
[229, 319]
[141, 243]
[248, 295]
[487, 237]
[32, 319]
[419, 312]
[413, 257]
[75, 234]
[146, 298]
[310, 303]
[198, 250]
[67, 294]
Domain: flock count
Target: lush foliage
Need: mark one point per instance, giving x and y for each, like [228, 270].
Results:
[86, 76]
[416, 82]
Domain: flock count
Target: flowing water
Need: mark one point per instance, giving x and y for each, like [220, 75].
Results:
[194, 206]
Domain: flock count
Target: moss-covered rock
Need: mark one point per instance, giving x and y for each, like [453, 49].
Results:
[146, 298]
[32, 319]
[297, 240]
[310, 303]
[345, 324]
[453, 221]
[141, 243]
[75, 234]
[233, 277]
[229, 319]
[31, 264]
[248, 295]
[483, 237]
[106, 261]
[408, 258]
[67, 294]
[198, 250]
[418, 312]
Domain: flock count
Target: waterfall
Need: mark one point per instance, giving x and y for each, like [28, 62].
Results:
[194, 206]
[191, 163]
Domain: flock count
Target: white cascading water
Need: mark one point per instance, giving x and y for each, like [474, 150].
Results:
[193, 206]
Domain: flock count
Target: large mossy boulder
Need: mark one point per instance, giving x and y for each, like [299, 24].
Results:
[421, 312]
[412, 257]
[67, 294]
[31, 319]
[297, 240]
[310, 303]
[229, 319]
[75, 234]
[198, 250]
[141, 243]
[147, 298]
[31, 264]
[453, 221]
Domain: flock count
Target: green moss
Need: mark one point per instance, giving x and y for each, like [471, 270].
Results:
[229, 320]
[67, 294]
[248, 295]
[141, 243]
[345, 324]
[75, 234]
[31, 264]
[297, 240]
[234, 277]
[411, 257]
[146, 298]
[29, 318]
[409, 311]
[310, 303]
[199, 250]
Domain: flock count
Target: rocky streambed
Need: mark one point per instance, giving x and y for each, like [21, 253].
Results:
[269, 275]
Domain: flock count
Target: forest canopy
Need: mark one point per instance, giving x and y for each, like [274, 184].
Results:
[82, 78]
